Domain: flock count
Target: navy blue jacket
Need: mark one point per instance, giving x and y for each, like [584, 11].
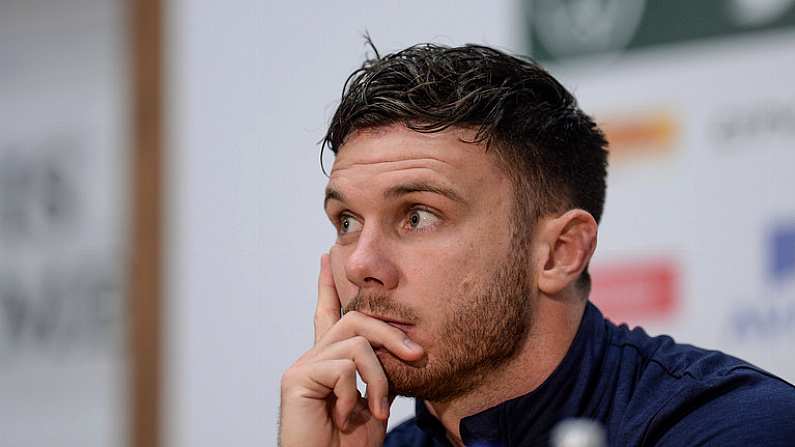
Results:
[645, 391]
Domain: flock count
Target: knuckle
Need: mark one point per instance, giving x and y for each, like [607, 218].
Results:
[347, 398]
[347, 366]
[360, 343]
[353, 315]
[289, 377]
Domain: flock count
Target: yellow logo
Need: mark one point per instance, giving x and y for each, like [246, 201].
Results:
[640, 135]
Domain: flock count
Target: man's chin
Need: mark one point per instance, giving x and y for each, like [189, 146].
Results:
[405, 379]
[420, 379]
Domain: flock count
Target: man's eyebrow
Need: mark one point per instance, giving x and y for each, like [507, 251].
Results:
[400, 190]
[332, 194]
[408, 188]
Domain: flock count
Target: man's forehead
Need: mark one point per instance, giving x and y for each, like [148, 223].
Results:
[398, 161]
[397, 147]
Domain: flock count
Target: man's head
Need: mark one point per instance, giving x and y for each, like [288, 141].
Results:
[553, 151]
[448, 161]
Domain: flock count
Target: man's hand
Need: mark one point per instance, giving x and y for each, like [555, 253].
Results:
[320, 405]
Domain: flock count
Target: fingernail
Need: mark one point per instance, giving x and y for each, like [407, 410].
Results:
[411, 345]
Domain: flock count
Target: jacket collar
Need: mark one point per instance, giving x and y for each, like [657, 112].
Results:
[571, 390]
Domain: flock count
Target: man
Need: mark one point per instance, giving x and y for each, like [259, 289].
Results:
[465, 193]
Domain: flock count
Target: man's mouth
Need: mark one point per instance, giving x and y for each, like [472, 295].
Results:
[402, 325]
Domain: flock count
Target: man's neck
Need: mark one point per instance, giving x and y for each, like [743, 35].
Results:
[555, 324]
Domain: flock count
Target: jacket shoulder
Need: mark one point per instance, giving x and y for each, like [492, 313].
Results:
[745, 407]
[679, 394]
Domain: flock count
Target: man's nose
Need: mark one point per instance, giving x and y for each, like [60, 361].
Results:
[370, 265]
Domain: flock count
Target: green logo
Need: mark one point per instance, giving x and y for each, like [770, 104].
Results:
[566, 29]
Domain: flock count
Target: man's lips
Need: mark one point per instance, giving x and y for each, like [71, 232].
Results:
[402, 325]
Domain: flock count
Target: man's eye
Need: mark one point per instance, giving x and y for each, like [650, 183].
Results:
[421, 219]
[349, 224]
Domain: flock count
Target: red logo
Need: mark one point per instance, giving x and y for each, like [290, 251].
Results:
[636, 291]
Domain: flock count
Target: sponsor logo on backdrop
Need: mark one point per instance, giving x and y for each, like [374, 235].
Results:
[772, 313]
[755, 125]
[782, 253]
[60, 289]
[750, 13]
[638, 290]
[567, 29]
[640, 135]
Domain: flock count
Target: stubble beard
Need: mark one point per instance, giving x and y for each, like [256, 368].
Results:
[482, 332]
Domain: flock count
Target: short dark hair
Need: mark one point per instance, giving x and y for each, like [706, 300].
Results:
[554, 153]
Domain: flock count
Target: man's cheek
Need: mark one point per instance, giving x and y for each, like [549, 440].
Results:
[440, 275]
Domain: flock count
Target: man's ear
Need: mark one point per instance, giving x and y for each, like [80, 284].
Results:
[567, 243]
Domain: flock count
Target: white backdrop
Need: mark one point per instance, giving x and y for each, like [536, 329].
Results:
[252, 87]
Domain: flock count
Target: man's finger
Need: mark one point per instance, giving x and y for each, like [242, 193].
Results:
[378, 333]
[336, 377]
[327, 311]
[369, 367]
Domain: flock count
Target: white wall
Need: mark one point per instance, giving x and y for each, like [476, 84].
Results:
[252, 86]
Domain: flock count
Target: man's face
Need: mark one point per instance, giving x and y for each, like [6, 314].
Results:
[426, 242]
